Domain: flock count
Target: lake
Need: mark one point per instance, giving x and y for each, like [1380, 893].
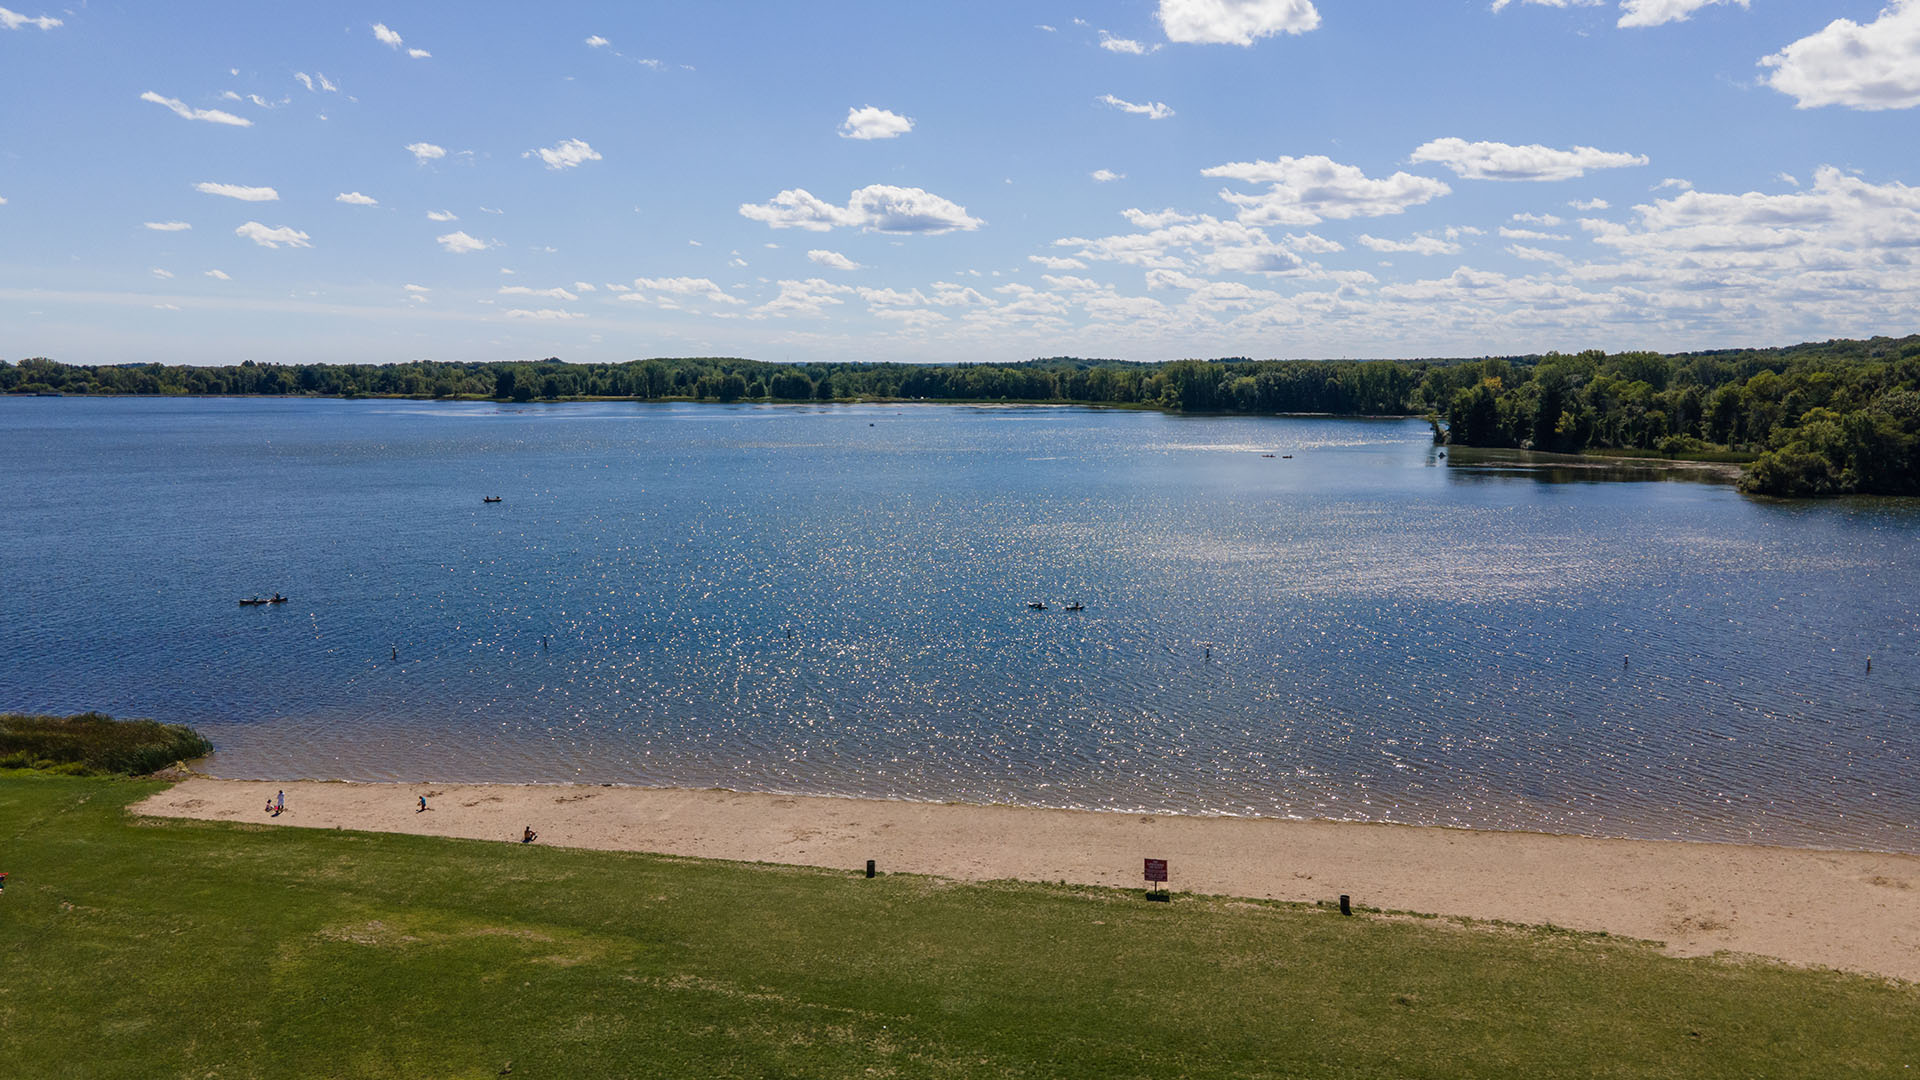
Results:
[834, 600]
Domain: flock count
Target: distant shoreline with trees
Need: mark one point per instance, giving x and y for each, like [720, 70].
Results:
[1828, 418]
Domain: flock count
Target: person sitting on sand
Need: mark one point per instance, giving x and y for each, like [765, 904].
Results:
[529, 836]
[269, 806]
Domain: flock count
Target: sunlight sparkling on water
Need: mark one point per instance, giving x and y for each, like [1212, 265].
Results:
[833, 601]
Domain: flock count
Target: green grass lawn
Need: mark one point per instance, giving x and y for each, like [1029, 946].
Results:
[184, 949]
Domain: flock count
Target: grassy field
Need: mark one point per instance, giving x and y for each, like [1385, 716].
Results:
[134, 947]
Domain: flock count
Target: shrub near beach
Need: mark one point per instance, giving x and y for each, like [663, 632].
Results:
[95, 744]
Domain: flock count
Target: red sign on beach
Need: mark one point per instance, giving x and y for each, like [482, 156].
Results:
[1156, 869]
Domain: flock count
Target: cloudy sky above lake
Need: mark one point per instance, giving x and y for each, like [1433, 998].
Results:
[1146, 180]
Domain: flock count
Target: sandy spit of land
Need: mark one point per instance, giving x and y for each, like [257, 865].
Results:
[1857, 911]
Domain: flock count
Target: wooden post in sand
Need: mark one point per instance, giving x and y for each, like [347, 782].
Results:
[1346, 904]
[869, 867]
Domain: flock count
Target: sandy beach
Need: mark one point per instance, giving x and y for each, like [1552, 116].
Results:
[1856, 911]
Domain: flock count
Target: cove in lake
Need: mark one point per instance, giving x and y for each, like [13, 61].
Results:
[833, 600]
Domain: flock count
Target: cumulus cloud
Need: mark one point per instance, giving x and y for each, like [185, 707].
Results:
[272, 238]
[1658, 12]
[832, 260]
[1307, 190]
[1501, 161]
[459, 243]
[1419, 245]
[13, 20]
[1867, 66]
[543, 314]
[420, 54]
[1589, 204]
[868, 122]
[1106, 176]
[809, 298]
[442, 215]
[691, 288]
[875, 208]
[237, 191]
[1054, 262]
[416, 288]
[168, 226]
[555, 293]
[424, 152]
[1152, 110]
[386, 37]
[596, 42]
[354, 198]
[1234, 22]
[1170, 241]
[162, 274]
[217, 275]
[566, 154]
[182, 109]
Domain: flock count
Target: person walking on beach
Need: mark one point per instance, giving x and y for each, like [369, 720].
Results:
[423, 805]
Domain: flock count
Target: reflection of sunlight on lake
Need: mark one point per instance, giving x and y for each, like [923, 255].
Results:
[834, 600]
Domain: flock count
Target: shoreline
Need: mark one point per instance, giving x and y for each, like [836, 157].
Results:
[1851, 910]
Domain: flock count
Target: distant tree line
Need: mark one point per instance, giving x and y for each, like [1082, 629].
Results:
[1817, 419]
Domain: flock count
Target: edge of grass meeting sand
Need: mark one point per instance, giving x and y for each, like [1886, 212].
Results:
[138, 946]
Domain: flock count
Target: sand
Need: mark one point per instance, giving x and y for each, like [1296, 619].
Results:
[1856, 911]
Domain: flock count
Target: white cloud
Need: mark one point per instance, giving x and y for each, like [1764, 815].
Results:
[832, 260]
[1152, 110]
[416, 288]
[871, 123]
[354, 198]
[1106, 176]
[1127, 46]
[1419, 245]
[1053, 262]
[424, 152]
[1867, 66]
[1234, 22]
[809, 298]
[442, 215]
[875, 208]
[168, 226]
[308, 82]
[566, 154]
[1170, 241]
[1657, 12]
[217, 275]
[459, 243]
[596, 42]
[13, 20]
[387, 37]
[584, 286]
[550, 294]
[543, 314]
[690, 287]
[182, 109]
[1304, 191]
[305, 79]
[1528, 234]
[1499, 4]
[237, 191]
[162, 274]
[272, 238]
[1589, 204]
[1501, 161]
[1547, 220]
[1673, 182]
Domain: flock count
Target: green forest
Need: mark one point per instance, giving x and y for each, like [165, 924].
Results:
[1828, 418]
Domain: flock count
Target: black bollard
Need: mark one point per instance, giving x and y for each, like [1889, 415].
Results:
[1346, 904]
[869, 867]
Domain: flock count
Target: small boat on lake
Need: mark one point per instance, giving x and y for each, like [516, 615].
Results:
[490, 499]
[1036, 605]
[254, 601]
[276, 598]
[1076, 606]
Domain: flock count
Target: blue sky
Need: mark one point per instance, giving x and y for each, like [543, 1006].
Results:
[1148, 180]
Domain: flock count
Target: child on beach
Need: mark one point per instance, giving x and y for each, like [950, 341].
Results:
[529, 836]
[423, 805]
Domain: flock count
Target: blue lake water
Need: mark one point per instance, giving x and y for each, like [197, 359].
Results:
[833, 601]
